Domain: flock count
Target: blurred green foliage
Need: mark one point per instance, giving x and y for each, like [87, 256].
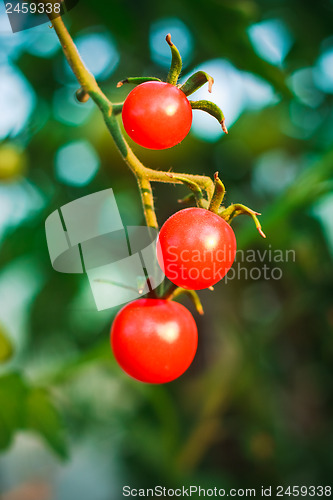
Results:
[255, 407]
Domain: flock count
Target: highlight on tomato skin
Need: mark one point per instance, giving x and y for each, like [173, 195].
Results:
[196, 248]
[154, 340]
[157, 115]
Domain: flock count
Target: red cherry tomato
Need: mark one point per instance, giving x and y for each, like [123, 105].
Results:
[154, 340]
[157, 115]
[196, 248]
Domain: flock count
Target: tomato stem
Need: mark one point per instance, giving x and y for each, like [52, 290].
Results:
[175, 291]
[117, 108]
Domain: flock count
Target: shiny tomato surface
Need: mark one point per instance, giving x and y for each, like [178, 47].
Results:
[196, 248]
[154, 340]
[157, 115]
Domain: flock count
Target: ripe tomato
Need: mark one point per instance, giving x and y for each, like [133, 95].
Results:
[196, 248]
[154, 340]
[157, 115]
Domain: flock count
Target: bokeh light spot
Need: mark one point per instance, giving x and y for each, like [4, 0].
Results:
[303, 85]
[18, 202]
[44, 42]
[98, 52]
[271, 40]
[323, 72]
[233, 91]
[17, 100]
[11, 45]
[257, 92]
[274, 171]
[66, 109]
[306, 119]
[76, 163]
[323, 210]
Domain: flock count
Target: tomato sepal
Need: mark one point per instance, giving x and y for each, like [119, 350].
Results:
[212, 109]
[193, 186]
[196, 81]
[228, 214]
[219, 192]
[137, 80]
[176, 62]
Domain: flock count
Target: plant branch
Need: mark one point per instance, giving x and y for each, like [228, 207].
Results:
[143, 174]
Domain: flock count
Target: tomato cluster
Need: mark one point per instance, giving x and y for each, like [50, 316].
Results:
[154, 340]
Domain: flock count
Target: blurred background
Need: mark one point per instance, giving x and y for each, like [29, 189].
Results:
[255, 406]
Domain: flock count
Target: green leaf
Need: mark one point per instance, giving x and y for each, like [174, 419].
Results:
[6, 348]
[43, 417]
[12, 407]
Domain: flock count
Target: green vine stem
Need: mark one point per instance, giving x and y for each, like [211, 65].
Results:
[109, 111]
[117, 108]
